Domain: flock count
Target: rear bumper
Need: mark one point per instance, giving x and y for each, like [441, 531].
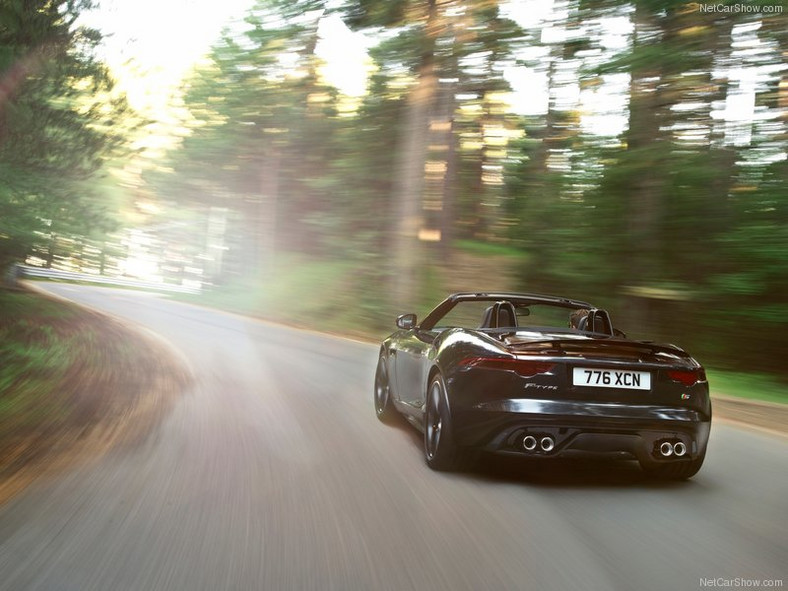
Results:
[578, 428]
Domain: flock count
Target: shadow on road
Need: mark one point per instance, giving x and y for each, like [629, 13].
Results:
[553, 473]
[562, 473]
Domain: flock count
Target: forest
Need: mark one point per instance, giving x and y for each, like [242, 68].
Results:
[629, 153]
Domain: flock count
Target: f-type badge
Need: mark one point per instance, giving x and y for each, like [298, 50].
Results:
[540, 386]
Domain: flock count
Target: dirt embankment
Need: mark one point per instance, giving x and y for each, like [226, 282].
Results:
[115, 387]
[768, 416]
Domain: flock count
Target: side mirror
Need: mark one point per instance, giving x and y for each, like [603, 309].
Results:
[406, 321]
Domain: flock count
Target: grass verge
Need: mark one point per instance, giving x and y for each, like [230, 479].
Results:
[73, 383]
[753, 386]
[331, 296]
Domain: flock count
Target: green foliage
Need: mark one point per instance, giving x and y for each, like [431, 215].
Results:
[756, 386]
[363, 14]
[35, 357]
[680, 224]
[488, 249]
[58, 123]
[681, 215]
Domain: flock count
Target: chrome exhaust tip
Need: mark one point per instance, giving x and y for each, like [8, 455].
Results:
[666, 449]
[679, 449]
[529, 443]
[547, 444]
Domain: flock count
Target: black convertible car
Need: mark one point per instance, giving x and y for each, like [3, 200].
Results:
[542, 376]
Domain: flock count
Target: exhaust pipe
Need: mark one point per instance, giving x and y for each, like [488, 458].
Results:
[666, 449]
[529, 443]
[679, 449]
[547, 443]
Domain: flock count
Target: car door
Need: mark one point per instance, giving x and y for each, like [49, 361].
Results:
[411, 366]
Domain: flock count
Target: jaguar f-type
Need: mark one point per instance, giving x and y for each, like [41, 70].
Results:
[542, 377]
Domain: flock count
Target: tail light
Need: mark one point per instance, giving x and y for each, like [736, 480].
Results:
[687, 377]
[523, 367]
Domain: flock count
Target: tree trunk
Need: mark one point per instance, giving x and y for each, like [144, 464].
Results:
[410, 183]
[266, 242]
[448, 207]
[644, 205]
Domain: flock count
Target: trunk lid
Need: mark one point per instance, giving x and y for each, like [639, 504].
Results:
[612, 369]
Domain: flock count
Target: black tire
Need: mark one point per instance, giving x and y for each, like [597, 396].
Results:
[384, 407]
[440, 451]
[673, 470]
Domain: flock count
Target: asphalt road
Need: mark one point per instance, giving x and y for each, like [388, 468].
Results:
[272, 472]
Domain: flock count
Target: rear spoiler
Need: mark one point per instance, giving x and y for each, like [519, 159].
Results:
[564, 346]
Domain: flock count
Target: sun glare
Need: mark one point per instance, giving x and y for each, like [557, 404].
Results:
[150, 45]
[347, 64]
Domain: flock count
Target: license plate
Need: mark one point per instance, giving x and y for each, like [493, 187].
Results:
[611, 378]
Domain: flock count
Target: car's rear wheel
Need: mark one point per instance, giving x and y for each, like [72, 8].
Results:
[440, 450]
[384, 408]
[673, 470]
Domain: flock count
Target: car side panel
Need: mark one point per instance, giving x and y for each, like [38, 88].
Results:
[410, 359]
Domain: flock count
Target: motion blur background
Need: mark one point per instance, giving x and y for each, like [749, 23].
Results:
[334, 163]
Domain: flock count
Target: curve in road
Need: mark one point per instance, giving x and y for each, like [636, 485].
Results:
[273, 473]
